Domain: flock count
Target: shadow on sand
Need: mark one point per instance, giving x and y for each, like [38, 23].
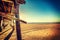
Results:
[5, 31]
[9, 35]
[3, 27]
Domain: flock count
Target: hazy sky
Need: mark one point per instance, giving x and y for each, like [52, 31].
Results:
[40, 11]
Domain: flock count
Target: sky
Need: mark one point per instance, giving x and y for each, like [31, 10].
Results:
[40, 11]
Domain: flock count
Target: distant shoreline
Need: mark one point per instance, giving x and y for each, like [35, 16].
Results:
[44, 23]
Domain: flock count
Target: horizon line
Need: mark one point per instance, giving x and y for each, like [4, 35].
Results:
[43, 22]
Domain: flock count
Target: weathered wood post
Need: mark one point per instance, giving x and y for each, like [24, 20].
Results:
[0, 23]
[16, 7]
[18, 29]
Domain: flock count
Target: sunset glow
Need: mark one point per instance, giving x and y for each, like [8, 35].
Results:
[39, 11]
